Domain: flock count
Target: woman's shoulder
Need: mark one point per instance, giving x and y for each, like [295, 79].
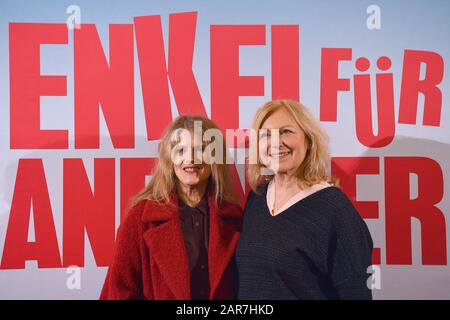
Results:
[330, 201]
[136, 209]
[131, 226]
[133, 216]
[340, 207]
[259, 193]
[331, 195]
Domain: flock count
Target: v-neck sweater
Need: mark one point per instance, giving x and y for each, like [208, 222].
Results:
[318, 248]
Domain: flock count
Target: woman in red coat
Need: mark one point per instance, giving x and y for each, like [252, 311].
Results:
[180, 235]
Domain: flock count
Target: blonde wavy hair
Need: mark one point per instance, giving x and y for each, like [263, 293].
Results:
[163, 181]
[313, 168]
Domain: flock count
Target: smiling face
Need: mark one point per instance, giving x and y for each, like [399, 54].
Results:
[190, 169]
[286, 154]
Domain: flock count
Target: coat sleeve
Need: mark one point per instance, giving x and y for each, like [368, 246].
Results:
[124, 277]
[352, 252]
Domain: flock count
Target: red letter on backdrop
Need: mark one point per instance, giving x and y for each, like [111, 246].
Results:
[330, 84]
[154, 72]
[346, 169]
[412, 85]
[93, 211]
[226, 84]
[285, 62]
[132, 179]
[111, 86]
[385, 110]
[27, 85]
[400, 208]
[31, 191]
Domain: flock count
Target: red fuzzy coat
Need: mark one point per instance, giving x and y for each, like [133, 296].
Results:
[150, 260]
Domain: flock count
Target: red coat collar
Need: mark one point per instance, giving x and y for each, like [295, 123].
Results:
[164, 239]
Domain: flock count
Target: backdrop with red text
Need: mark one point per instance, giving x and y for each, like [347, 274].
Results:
[86, 89]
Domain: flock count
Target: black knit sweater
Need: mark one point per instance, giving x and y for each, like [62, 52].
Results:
[319, 248]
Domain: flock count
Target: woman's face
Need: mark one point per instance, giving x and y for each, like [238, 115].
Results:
[283, 155]
[189, 167]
